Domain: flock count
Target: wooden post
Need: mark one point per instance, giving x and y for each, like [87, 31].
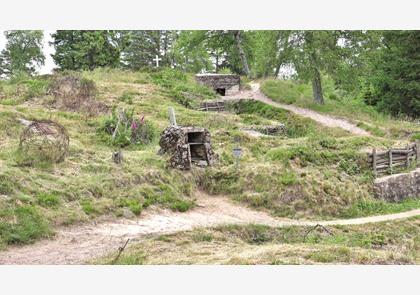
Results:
[172, 117]
[417, 150]
[390, 160]
[374, 161]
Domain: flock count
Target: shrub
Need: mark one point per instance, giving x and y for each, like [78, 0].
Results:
[124, 128]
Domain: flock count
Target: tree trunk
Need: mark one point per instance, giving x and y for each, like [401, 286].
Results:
[276, 74]
[242, 55]
[317, 87]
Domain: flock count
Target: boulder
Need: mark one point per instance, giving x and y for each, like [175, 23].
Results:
[398, 187]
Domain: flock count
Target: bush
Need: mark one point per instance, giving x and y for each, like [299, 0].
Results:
[124, 128]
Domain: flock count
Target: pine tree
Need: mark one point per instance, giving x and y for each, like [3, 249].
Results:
[397, 73]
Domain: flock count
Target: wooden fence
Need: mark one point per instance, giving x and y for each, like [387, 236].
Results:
[212, 106]
[394, 159]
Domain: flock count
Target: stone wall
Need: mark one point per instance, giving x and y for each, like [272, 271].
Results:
[398, 187]
[187, 146]
[220, 81]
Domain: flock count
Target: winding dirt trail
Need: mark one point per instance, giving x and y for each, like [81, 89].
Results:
[79, 244]
[326, 120]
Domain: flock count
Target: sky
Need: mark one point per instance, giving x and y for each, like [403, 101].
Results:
[48, 50]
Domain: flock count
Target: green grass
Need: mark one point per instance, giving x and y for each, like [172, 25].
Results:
[281, 91]
[22, 225]
[182, 87]
[395, 242]
[340, 105]
[379, 207]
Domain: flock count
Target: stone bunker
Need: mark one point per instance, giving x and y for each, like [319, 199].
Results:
[223, 84]
[398, 187]
[187, 146]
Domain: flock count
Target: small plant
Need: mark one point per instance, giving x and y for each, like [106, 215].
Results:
[128, 97]
[123, 129]
[48, 199]
[88, 207]
[182, 205]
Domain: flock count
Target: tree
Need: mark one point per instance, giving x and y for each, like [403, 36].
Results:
[190, 54]
[143, 46]
[271, 50]
[23, 52]
[396, 77]
[238, 40]
[223, 49]
[314, 52]
[86, 50]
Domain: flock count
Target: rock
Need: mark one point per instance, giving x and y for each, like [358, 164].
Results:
[398, 187]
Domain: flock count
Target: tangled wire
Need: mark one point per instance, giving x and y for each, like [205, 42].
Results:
[44, 140]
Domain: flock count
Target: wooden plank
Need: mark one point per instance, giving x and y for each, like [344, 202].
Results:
[374, 161]
[390, 160]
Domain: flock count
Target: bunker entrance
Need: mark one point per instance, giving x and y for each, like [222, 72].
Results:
[198, 152]
[221, 91]
[195, 137]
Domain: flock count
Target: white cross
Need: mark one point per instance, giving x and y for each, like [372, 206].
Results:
[157, 59]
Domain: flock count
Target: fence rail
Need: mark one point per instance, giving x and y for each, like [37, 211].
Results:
[385, 161]
[212, 106]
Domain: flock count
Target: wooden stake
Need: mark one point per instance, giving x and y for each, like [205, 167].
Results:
[390, 160]
[374, 161]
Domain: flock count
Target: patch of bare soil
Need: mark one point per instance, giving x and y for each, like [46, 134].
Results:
[79, 244]
[326, 120]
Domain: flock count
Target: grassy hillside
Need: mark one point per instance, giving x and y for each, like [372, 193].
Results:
[385, 243]
[311, 172]
[338, 104]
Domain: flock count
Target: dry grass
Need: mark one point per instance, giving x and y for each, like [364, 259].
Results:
[384, 243]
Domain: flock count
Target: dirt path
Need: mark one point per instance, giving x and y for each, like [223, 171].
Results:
[79, 244]
[326, 120]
